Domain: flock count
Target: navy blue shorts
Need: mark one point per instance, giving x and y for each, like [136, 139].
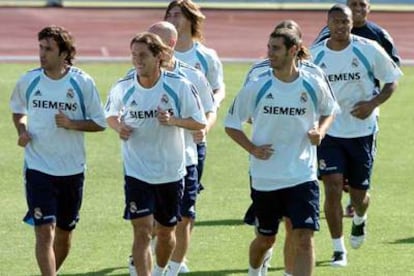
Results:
[201, 153]
[161, 200]
[53, 199]
[299, 203]
[249, 217]
[352, 157]
[187, 206]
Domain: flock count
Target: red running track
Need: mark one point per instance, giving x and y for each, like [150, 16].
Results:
[234, 34]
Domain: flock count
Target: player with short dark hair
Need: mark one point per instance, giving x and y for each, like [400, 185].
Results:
[351, 63]
[52, 108]
[368, 29]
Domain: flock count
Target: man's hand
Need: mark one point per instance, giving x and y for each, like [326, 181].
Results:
[24, 139]
[263, 152]
[124, 131]
[362, 110]
[199, 135]
[62, 120]
[165, 117]
[315, 136]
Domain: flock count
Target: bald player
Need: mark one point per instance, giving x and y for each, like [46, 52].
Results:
[168, 34]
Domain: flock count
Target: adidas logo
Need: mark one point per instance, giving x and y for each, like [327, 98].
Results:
[323, 65]
[269, 96]
[38, 93]
[134, 103]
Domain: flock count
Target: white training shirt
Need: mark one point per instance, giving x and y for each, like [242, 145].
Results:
[206, 60]
[52, 150]
[264, 65]
[282, 115]
[154, 153]
[195, 77]
[207, 101]
[351, 73]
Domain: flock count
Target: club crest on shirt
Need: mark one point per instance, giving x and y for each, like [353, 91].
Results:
[164, 99]
[304, 97]
[70, 94]
[198, 66]
[355, 62]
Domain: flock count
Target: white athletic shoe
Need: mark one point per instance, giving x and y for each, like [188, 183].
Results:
[131, 267]
[184, 268]
[358, 234]
[339, 259]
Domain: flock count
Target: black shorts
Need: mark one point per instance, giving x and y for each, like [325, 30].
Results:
[352, 157]
[299, 203]
[188, 202]
[161, 200]
[53, 199]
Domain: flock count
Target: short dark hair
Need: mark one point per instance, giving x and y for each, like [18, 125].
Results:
[63, 38]
[340, 8]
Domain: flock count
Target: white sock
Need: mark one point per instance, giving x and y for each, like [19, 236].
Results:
[158, 271]
[173, 268]
[339, 244]
[359, 220]
[268, 257]
[266, 261]
[254, 271]
[153, 244]
[287, 274]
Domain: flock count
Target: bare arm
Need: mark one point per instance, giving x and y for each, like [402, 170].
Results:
[20, 122]
[199, 135]
[262, 152]
[122, 129]
[167, 119]
[219, 94]
[81, 125]
[317, 134]
[364, 108]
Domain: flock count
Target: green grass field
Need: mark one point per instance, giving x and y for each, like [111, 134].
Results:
[102, 240]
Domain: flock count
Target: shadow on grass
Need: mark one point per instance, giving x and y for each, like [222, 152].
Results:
[223, 222]
[226, 272]
[102, 272]
[323, 263]
[406, 240]
[112, 271]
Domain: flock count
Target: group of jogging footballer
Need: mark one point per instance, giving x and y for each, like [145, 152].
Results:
[313, 115]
